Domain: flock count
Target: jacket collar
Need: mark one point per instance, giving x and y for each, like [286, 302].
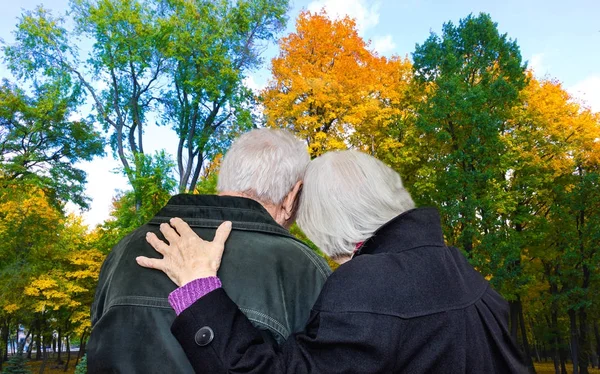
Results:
[412, 229]
[209, 211]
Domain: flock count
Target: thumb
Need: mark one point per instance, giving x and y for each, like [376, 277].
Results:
[222, 233]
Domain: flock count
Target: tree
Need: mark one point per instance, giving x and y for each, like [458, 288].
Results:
[39, 143]
[28, 239]
[154, 185]
[174, 62]
[16, 365]
[330, 89]
[471, 77]
[212, 46]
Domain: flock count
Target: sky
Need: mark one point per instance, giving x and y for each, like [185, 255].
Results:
[559, 39]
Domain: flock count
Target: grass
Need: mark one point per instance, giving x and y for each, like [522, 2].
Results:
[548, 368]
[51, 366]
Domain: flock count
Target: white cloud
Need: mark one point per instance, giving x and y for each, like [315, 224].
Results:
[365, 14]
[536, 63]
[384, 44]
[101, 187]
[252, 84]
[588, 92]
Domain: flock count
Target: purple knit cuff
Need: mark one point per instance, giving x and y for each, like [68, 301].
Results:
[184, 296]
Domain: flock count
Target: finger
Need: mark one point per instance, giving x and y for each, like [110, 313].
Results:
[150, 263]
[182, 227]
[160, 246]
[170, 234]
[222, 233]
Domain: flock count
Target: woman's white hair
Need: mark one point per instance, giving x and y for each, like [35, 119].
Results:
[347, 196]
[265, 164]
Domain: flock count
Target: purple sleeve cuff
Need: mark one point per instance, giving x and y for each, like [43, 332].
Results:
[184, 296]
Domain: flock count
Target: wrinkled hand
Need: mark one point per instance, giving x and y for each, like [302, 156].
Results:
[187, 256]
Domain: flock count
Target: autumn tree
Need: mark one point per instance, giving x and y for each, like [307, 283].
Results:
[330, 88]
[28, 237]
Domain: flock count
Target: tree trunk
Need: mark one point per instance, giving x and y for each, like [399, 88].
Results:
[43, 365]
[81, 347]
[22, 347]
[584, 358]
[30, 346]
[558, 353]
[574, 341]
[514, 320]
[68, 353]
[525, 342]
[597, 335]
[59, 344]
[38, 343]
[5, 335]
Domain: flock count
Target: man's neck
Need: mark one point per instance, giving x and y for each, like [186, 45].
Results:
[268, 207]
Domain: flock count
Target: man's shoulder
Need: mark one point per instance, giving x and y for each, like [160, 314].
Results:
[279, 248]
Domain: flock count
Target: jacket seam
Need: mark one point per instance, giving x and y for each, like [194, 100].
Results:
[146, 301]
[111, 271]
[212, 208]
[214, 223]
[412, 315]
[314, 258]
[278, 326]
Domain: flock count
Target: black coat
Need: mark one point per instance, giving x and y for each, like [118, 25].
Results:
[405, 304]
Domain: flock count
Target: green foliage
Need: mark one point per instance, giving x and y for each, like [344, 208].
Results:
[16, 365]
[207, 185]
[82, 366]
[182, 61]
[152, 190]
[471, 76]
[211, 47]
[40, 144]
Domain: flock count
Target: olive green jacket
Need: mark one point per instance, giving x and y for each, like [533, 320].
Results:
[273, 277]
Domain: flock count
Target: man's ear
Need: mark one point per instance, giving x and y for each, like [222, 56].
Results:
[290, 202]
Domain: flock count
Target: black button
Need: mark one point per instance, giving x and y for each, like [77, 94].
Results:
[204, 336]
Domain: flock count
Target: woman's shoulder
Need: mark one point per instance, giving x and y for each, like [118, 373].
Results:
[405, 285]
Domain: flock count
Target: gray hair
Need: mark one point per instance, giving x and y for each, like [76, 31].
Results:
[264, 164]
[347, 196]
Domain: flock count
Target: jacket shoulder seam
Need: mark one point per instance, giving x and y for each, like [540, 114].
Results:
[315, 259]
[410, 315]
[277, 326]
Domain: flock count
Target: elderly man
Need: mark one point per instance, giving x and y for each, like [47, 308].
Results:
[273, 277]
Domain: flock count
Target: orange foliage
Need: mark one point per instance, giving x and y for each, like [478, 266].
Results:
[330, 89]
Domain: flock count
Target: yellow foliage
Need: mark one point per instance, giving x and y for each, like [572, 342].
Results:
[11, 308]
[330, 89]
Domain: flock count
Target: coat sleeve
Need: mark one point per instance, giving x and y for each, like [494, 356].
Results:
[218, 338]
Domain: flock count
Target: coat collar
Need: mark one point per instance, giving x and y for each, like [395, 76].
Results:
[414, 228]
[211, 210]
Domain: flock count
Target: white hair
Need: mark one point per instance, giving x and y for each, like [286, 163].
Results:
[347, 196]
[264, 164]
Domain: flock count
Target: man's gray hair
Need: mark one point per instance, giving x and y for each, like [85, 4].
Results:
[347, 196]
[265, 164]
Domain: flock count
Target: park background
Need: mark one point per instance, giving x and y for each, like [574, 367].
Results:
[108, 107]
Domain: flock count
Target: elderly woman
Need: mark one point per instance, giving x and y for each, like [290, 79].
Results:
[401, 302]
